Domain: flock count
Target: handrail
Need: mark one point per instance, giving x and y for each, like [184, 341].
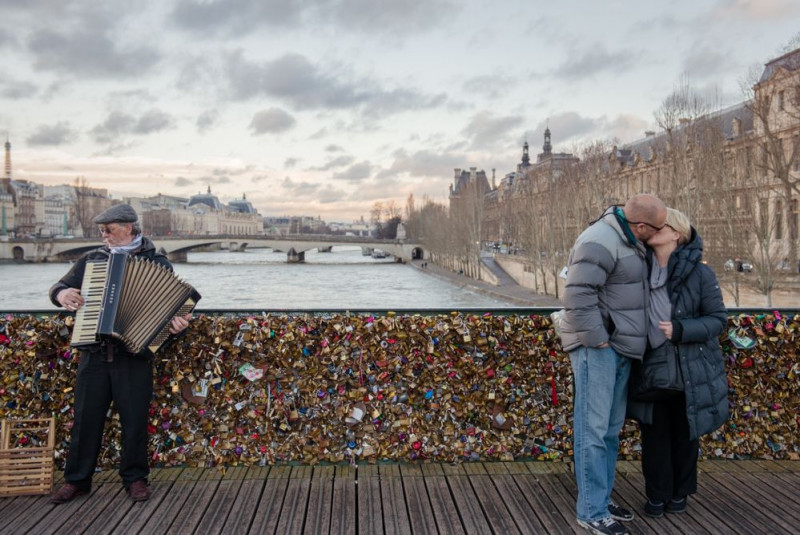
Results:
[384, 311]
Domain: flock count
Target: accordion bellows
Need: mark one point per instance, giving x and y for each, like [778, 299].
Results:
[131, 300]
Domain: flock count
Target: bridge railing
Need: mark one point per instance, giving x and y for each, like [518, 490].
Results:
[248, 387]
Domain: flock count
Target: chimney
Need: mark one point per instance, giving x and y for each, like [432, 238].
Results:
[684, 121]
[649, 133]
[458, 175]
[473, 175]
[737, 127]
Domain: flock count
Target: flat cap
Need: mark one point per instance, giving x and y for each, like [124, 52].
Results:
[119, 213]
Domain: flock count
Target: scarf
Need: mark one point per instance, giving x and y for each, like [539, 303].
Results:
[132, 246]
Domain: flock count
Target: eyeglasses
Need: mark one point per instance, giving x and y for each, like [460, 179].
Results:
[107, 230]
[648, 224]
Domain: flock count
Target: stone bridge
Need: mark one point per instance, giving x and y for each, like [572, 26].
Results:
[295, 247]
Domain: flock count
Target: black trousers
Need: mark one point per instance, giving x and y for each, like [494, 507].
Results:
[669, 458]
[128, 382]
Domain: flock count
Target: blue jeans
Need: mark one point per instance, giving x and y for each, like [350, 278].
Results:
[601, 391]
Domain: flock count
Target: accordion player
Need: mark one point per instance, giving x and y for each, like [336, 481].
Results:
[131, 300]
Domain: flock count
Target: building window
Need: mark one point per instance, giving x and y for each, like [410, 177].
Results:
[763, 212]
[796, 153]
[780, 100]
[793, 220]
[778, 219]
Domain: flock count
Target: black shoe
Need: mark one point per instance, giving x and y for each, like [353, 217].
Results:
[654, 509]
[605, 526]
[676, 505]
[618, 512]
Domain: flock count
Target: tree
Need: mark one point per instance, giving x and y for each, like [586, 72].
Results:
[84, 205]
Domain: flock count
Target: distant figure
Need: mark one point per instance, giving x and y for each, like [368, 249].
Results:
[604, 330]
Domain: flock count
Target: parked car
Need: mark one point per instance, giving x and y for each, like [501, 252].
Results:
[742, 266]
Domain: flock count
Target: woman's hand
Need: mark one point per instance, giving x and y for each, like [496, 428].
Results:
[666, 328]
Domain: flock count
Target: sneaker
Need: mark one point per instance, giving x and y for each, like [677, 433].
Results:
[618, 512]
[67, 493]
[676, 505]
[654, 509]
[605, 526]
[138, 491]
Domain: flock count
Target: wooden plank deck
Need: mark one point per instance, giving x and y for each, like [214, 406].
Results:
[472, 498]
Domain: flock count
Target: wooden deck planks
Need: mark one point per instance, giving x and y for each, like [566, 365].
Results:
[369, 501]
[733, 497]
[343, 514]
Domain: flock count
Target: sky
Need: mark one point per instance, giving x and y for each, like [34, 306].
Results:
[325, 107]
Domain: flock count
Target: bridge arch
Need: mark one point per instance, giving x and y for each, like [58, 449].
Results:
[417, 253]
[18, 253]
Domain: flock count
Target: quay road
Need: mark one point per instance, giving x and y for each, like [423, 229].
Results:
[176, 247]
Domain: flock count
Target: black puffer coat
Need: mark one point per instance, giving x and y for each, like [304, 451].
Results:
[698, 318]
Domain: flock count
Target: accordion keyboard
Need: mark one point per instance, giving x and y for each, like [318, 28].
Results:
[85, 330]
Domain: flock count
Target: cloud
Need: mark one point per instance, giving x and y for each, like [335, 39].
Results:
[305, 86]
[490, 85]
[755, 10]
[153, 121]
[406, 16]
[16, 90]
[182, 182]
[626, 127]
[236, 17]
[595, 60]
[704, 63]
[290, 162]
[485, 129]
[52, 135]
[339, 161]
[207, 120]
[119, 124]
[355, 173]
[333, 148]
[89, 52]
[299, 188]
[423, 163]
[273, 120]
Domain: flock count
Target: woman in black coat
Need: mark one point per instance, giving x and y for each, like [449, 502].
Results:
[687, 314]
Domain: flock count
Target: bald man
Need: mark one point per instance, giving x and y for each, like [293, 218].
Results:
[604, 329]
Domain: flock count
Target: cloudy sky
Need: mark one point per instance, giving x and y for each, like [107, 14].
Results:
[323, 107]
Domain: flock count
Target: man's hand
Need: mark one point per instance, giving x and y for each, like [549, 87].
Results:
[178, 323]
[70, 298]
[603, 345]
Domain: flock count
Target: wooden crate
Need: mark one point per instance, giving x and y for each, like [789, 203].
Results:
[27, 469]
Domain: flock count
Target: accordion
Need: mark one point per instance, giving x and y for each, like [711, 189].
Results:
[131, 300]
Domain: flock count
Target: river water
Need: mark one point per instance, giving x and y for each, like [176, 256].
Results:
[260, 279]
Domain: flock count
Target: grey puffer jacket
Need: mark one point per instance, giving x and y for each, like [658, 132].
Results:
[606, 298]
[698, 318]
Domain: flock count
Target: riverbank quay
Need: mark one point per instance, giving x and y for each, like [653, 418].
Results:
[467, 498]
[269, 388]
[502, 286]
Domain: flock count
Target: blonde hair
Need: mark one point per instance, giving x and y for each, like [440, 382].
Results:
[680, 223]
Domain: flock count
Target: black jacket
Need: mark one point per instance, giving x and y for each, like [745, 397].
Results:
[698, 319]
[74, 278]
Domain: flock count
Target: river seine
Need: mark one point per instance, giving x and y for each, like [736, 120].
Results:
[260, 279]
